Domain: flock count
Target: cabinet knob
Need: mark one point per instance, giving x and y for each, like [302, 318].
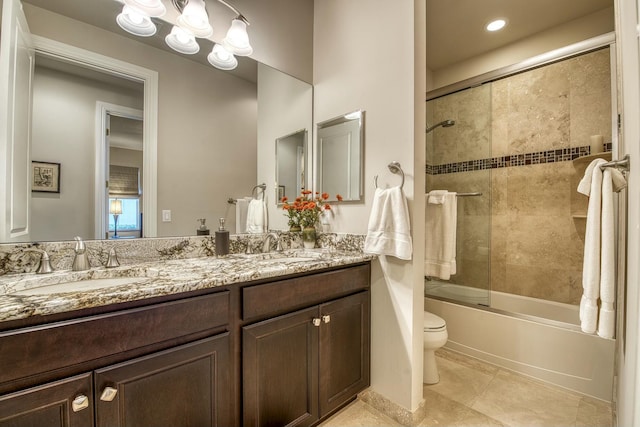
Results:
[79, 403]
[316, 321]
[326, 318]
[108, 394]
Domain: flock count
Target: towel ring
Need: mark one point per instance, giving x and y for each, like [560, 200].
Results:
[262, 186]
[395, 168]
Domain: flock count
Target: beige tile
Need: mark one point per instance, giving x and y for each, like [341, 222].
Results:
[466, 361]
[518, 401]
[543, 189]
[459, 382]
[594, 413]
[544, 283]
[359, 414]
[442, 411]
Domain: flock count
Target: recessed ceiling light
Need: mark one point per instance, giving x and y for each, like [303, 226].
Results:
[496, 25]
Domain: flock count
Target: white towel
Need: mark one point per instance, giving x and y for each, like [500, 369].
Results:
[440, 242]
[436, 197]
[591, 185]
[242, 208]
[612, 180]
[389, 232]
[257, 216]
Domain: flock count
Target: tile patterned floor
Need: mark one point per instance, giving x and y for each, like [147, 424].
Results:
[474, 393]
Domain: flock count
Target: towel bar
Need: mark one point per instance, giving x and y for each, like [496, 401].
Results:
[623, 164]
[477, 193]
[394, 167]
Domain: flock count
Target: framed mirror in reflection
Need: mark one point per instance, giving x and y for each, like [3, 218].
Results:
[340, 149]
[291, 160]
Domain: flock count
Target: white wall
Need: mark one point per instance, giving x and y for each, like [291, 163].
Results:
[284, 107]
[364, 59]
[63, 132]
[592, 25]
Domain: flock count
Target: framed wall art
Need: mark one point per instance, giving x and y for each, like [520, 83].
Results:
[45, 177]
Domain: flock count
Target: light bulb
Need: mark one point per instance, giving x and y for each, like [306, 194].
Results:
[182, 41]
[153, 8]
[135, 22]
[195, 19]
[237, 39]
[221, 58]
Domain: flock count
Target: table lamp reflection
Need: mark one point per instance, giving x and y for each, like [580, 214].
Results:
[115, 209]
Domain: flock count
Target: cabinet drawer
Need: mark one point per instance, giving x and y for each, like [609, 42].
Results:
[287, 295]
[34, 350]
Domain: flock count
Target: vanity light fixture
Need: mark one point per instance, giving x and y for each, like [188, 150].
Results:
[496, 25]
[193, 22]
[182, 41]
[135, 22]
[221, 58]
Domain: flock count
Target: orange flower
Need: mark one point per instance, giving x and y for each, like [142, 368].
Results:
[339, 197]
[284, 199]
[305, 192]
[325, 196]
[327, 207]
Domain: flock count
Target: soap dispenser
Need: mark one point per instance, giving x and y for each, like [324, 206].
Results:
[202, 230]
[222, 240]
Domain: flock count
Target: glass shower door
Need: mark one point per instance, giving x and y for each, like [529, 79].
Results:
[459, 160]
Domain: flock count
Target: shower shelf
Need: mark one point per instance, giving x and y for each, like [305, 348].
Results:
[579, 216]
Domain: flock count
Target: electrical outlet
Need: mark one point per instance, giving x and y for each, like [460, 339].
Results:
[166, 216]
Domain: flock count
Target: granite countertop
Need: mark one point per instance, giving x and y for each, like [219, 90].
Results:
[25, 295]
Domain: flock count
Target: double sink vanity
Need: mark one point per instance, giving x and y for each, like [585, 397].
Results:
[267, 339]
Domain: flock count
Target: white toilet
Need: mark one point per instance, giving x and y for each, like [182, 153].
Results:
[435, 336]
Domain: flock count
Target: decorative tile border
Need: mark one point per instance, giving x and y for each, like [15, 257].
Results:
[539, 157]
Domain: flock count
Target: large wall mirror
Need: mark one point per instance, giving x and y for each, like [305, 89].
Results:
[291, 162]
[340, 148]
[208, 124]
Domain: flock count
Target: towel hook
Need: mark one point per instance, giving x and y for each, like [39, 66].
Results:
[395, 168]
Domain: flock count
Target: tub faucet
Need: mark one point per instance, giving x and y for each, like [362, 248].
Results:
[81, 259]
[266, 245]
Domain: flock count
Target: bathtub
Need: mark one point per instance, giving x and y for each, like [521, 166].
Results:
[551, 349]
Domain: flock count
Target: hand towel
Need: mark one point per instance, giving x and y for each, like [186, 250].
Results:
[389, 232]
[242, 208]
[257, 216]
[591, 185]
[440, 242]
[612, 180]
[436, 197]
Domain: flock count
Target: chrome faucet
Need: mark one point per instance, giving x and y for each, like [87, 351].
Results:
[266, 244]
[112, 259]
[81, 260]
[44, 266]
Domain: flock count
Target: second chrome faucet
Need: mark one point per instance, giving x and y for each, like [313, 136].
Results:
[81, 259]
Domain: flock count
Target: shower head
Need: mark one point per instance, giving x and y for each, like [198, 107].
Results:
[444, 124]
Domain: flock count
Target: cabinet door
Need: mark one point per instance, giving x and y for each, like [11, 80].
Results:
[344, 350]
[65, 403]
[280, 366]
[187, 386]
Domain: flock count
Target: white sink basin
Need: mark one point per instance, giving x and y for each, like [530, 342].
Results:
[79, 286]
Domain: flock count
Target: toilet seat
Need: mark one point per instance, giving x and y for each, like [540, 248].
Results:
[433, 323]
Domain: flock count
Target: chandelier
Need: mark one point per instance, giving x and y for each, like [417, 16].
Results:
[193, 22]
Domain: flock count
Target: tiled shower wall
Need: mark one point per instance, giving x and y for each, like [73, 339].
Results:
[514, 141]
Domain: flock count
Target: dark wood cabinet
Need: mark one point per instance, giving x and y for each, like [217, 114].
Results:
[187, 386]
[344, 362]
[301, 366]
[65, 403]
[278, 352]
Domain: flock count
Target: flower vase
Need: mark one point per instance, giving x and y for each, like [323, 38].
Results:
[295, 229]
[309, 237]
